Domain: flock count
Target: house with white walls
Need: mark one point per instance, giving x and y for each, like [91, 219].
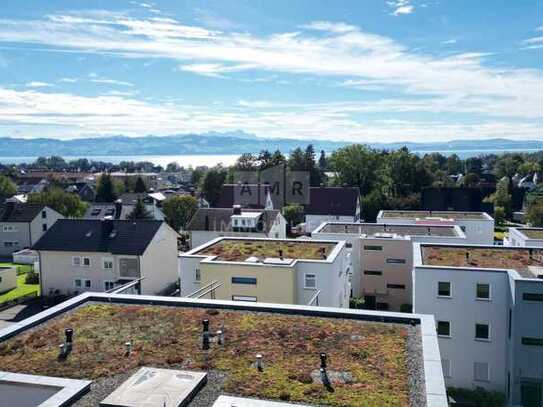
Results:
[524, 237]
[487, 302]
[382, 257]
[477, 226]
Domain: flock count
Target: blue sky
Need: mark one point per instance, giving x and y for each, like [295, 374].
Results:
[360, 70]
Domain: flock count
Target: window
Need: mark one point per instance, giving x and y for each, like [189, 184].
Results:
[86, 261]
[396, 261]
[77, 282]
[444, 328]
[480, 372]
[44, 227]
[532, 341]
[373, 247]
[483, 291]
[396, 286]
[11, 244]
[235, 222]
[532, 297]
[243, 222]
[245, 298]
[373, 272]
[87, 283]
[482, 332]
[443, 289]
[9, 228]
[197, 275]
[109, 285]
[76, 261]
[107, 264]
[43, 214]
[446, 366]
[244, 280]
[310, 281]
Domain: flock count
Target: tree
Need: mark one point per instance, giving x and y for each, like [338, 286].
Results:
[140, 186]
[196, 176]
[7, 188]
[294, 214]
[534, 214]
[179, 210]
[356, 165]
[105, 190]
[475, 165]
[173, 167]
[65, 203]
[501, 198]
[140, 212]
[323, 164]
[454, 165]
[211, 185]
[471, 180]
[499, 215]
[371, 204]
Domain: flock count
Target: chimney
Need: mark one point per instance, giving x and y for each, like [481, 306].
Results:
[236, 209]
[118, 208]
[107, 225]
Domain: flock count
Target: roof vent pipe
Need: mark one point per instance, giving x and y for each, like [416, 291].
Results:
[280, 252]
[258, 363]
[69, 333]
[205, 334]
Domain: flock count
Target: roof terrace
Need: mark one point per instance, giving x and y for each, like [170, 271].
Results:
[435, 214]
[523, 260]
[372, 229]
[370, 359]
[532, 233]
[244, 249]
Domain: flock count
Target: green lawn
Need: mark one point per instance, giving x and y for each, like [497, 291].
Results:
[22, 288]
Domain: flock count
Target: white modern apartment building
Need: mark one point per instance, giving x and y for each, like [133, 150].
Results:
[98, 255]
[210, 223]
[488, 306]
[524, 237]
[382, 257]
[477, 226]
[285, 271]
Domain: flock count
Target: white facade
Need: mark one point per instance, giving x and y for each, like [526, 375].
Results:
[70, 273]
[524, 237]
[15, 236]
[277, 280]
[510, 357]
[382, 262]
[477, 226]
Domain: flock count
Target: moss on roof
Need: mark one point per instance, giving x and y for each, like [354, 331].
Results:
[373, 354]
[240, 250]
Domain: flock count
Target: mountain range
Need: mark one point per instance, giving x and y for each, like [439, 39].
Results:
[230, 143]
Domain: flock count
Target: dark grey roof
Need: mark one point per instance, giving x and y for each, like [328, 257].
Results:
[16, 212]
[125, 237]
[218, 219]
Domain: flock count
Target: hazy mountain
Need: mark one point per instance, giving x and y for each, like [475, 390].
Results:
[225, 143]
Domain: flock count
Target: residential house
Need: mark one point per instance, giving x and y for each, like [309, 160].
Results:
[22, 225]
[382, 258]
[85, 191]
[31, 185]
[287, 271]
[119, 210]
[98, 255]
[209, 223]
[487, 302]
[477, 226]
[524, 237]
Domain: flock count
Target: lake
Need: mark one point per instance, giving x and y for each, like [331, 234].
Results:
[210, 160]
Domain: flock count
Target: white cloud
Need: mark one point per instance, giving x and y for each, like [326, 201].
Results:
[450, 42]
[108, 81]
[36, 84]
[401, 7]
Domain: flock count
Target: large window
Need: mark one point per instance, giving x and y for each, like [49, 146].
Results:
[107, 264]
[396, 261]
[446, 366]
[129, 267]
[86, 261]
[481, 372]
[109, 285]
[444, 328]
[373, 272]
[483, 291]
[532, 296]
[396, 286]
[444, 289]
[244, 280]
[532, 341]
[370, 247]
[482, 332]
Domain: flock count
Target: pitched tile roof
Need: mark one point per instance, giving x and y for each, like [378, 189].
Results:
[17, 212]
[115, 236]
[218, 219]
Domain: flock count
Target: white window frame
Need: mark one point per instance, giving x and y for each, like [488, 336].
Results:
[450, 329]
[76, 263]
[106, 282]
[489, 292]
[107, 260]
[487, 372]
[80, 283]
[83, 261]
[314, 277]
[450, 290]
[475, 333]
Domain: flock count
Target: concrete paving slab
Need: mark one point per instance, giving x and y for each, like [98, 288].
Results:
[227, 401]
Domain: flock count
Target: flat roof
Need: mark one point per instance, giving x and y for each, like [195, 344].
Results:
[231, 249]
[522, 260]
[371, 229]
[435, 214]
[373, 358]
[531, 233]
